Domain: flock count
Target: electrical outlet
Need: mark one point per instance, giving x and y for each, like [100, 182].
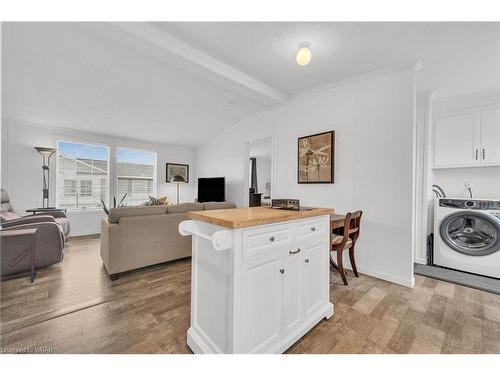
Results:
[468, 184]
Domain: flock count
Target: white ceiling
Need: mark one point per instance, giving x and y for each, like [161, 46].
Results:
[67, 75]
[172, 82]
[457, 58]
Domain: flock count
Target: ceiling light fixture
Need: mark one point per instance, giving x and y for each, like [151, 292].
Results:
[303, 54]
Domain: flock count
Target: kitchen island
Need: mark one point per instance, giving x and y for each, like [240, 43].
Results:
[259, 279]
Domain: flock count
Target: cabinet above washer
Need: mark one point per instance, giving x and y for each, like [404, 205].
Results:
[467, 140]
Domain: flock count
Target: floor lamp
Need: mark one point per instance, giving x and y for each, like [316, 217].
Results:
[177, 180]
[46, 154]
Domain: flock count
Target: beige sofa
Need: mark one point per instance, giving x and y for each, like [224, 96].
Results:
[135, 237]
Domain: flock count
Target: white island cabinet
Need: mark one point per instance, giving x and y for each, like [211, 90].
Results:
[260, 278]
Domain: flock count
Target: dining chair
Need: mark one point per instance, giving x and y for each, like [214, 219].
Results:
[346, 241]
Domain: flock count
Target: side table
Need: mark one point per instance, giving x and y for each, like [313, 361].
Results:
[49, 210]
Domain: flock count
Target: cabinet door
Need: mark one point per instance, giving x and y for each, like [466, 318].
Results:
[294, 264]
[315, 273]
[454, 142]
[490, 136]
[262, 301]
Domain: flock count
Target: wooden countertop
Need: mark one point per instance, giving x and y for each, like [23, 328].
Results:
[248, 217]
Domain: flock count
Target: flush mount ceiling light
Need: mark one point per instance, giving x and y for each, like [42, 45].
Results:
[303, 54]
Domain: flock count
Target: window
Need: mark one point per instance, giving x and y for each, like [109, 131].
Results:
[136, 175]
[69, 188]
[86, 188]
[82, 175]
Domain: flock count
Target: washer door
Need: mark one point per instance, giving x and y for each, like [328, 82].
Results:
[471, 233]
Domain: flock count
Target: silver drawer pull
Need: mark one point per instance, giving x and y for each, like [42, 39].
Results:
[307, 260]
[313, 228]
[294, 252]
[271, 238]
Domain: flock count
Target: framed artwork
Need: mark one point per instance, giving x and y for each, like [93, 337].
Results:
[316, 158]
[177, 170]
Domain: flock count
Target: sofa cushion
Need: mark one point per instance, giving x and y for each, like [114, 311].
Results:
[184, 207]
[8, 215]
[115, 214]
[64, 223]
[218, 205]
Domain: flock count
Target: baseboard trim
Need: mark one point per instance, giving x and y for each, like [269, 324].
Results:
[421, 261]
[410, 283]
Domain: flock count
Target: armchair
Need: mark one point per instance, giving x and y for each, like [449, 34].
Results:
[19, 243]
[9, 217]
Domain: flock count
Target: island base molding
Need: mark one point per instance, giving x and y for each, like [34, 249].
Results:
[201, 344]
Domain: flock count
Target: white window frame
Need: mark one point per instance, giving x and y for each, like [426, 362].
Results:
[155, 169]
[108, 175]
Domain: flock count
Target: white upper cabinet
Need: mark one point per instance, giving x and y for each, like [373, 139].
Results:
[467, 140]
[454, 141]
[490, 137]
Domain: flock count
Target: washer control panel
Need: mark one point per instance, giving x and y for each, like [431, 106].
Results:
[470, 203]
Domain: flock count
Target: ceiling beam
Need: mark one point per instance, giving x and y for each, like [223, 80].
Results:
[159, 44]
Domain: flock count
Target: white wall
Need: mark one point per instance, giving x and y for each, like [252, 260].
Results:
[374, 121]
[485, 182]
[21, 167]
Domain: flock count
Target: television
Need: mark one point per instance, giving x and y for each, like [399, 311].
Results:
[211, 189]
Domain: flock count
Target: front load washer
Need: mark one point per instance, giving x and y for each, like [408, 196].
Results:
[467, 235]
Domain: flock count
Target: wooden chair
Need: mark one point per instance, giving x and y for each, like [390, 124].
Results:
[339, 243]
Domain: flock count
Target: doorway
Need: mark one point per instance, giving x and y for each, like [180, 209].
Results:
[260, 172]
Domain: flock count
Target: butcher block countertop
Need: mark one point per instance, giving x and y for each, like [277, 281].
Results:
[248, 217]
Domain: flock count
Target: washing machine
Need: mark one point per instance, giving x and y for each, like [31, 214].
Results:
[467, 235]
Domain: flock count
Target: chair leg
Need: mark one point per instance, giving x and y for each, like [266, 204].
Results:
[332, 263]
[353, 262]
[341, 266]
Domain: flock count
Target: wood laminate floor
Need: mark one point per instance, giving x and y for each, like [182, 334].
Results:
[73, 307]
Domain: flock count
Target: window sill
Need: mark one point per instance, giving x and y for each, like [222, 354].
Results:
[85, 210]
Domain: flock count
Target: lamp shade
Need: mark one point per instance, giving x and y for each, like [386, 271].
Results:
[45, 151]
[177, 179]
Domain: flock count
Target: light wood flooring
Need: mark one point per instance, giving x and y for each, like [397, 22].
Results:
[73, 307]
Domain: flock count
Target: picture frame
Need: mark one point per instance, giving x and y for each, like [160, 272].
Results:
[173, 169]
[316, 158]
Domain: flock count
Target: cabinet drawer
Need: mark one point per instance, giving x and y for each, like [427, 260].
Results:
[257, 240]
[310, 229]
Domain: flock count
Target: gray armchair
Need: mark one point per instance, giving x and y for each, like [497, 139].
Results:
[16, 248]
[9, 217]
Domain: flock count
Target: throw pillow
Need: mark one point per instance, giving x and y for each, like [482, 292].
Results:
[161, 201]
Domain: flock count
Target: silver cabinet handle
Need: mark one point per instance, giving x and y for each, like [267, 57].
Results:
[484, 154]
[271, 238]
[282, 270]
[307, 260]
[294, 252]
[477, 153]
[313, 228]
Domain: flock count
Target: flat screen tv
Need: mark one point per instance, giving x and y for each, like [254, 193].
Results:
[212, 189]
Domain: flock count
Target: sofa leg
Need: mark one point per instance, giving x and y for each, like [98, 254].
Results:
[114, 276]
